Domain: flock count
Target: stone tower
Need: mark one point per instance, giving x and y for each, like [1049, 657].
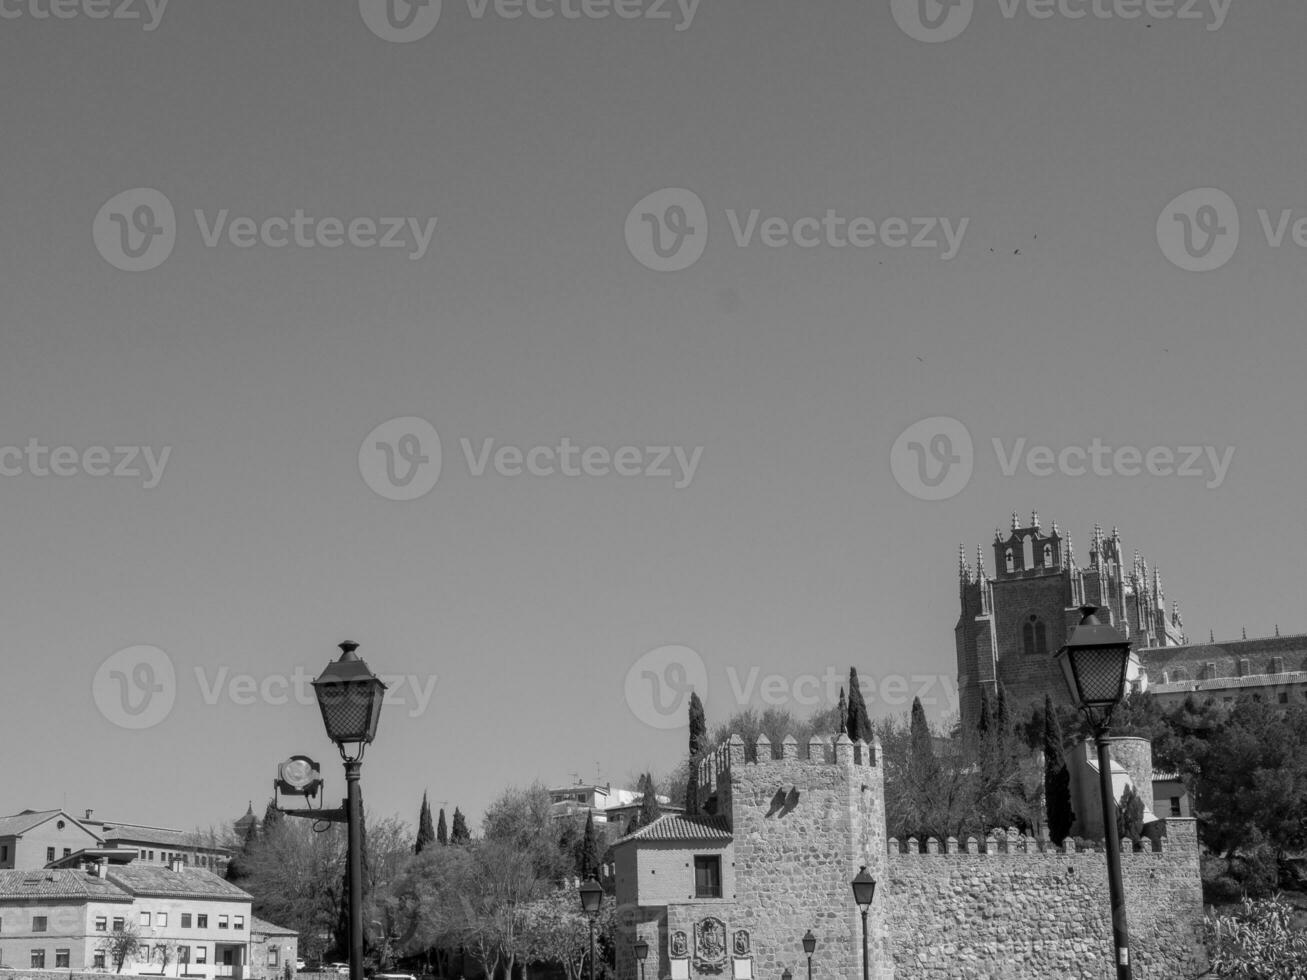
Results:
[1014, 619]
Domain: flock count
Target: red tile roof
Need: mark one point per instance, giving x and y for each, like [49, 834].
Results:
[676, 826]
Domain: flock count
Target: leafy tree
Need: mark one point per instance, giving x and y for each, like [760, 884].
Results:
[458, 833]
[555, 930]
[985, 722]
[1130, 817]
[859, 726]
[272, 818]
[426, 832]
[442, 831]
[121, 945]
[1057, 777]
[1258, 942]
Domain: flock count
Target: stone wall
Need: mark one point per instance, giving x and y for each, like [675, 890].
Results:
[1018, 913]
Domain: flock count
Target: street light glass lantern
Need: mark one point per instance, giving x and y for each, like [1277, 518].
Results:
[641, 950]
[864, 888]
[1094, 662]
[592, 896]
[349, 695]
[809, 942]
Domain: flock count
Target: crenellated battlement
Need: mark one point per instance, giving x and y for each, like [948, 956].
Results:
[819, 751]
[1015, 844]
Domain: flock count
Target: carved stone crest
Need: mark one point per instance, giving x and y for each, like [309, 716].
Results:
[710, 945]
[741, 942]
[680, 945]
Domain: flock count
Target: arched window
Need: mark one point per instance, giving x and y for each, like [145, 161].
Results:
[1011, 566]
[1034, 637]
[1048, 556]
[1028, 553]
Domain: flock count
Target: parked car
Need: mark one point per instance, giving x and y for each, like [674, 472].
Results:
[340, 968]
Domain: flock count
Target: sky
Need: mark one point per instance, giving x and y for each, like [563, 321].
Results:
[741, 295]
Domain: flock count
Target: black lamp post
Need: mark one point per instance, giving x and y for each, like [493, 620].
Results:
[350, 698]
[1094, 663]
[864, 892]
[641, 950]
[592, 896]
[809, 947]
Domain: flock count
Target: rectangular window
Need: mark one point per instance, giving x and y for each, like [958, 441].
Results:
[272, 956]
[201, 921]
[98, 961]
[201, 954]
[38, 959]
[61, 959]
[1175, 806]
[39, 923]
[49, 856]
[1284, 697]
[118, 924]
[183, 954]
[186, 920]
[101, 924]
[67, 851]
[222, 922]
[708, 877]
[4, 853]
[161, 919]
[239, 922]
[145, 918]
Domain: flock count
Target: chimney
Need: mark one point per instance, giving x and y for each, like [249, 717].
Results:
[175, 864]
[96, 868]
[88, 814]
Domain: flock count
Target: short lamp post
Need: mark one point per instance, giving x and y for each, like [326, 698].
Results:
[809, 947]
[864, 893]
[349, 696]
[592, 896]
[641, 950]
[1094, 662]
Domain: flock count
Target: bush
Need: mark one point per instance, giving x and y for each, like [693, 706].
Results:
[1254, 875]
[1259, 942]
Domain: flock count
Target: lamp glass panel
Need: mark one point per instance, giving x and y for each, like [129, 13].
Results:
[1101, 673]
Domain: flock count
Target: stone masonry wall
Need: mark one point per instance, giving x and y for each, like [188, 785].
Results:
[1030, 915]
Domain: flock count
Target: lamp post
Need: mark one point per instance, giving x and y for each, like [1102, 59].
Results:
[349, 696]
[864, 892]
[1094, 663]
[592, 896]
[641, 950]
[809, 947]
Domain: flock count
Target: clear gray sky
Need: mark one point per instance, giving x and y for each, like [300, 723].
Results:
[528, 320]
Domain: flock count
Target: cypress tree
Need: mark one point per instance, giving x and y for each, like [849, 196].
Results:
[859, 722]
[984, 724]
[458, 833]
[272, 818]
[649, 808]
[587, 859]
[698, 735]
[426, 832]
[1057, 778]
[923, 744]
[842, 713]
[442, 831]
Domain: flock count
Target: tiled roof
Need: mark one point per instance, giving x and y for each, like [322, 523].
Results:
[134, 832]
[1230, 683]
[1292, 649]
[161, 882]
[63, 884]
[21, 823]
[675, 826]
[268, 929]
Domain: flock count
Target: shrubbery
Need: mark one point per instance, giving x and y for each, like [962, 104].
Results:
[1259, 942]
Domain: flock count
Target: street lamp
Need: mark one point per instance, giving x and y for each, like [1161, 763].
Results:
[809, 947]
[641, 950]
[1094, 663]
[864, 892]
[592, 896]
[349, 696]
